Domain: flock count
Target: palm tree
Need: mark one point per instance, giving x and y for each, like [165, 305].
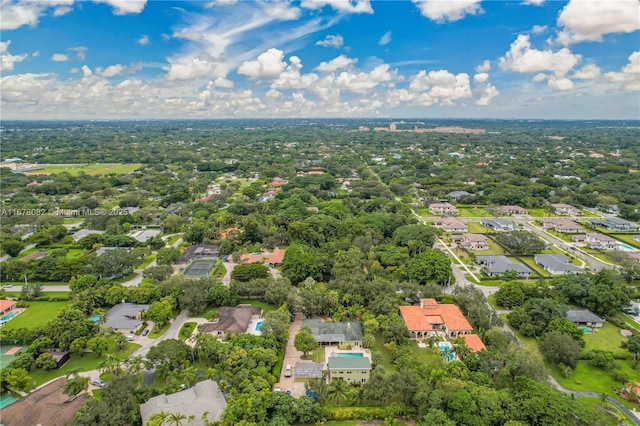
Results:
[368, 340]
[111, 364]
[461, 348]
[176, 419]
[338, 390]
[158, 419]
[448, 354]
[432, 341]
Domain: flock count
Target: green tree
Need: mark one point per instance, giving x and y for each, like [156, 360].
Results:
[75, 385]
[567, 327]
[167, 256]
[46, 361]
[522, 243]
[338, 390]
[304, 341]
[559, 348]
[249, 272]
[601, 358]
[12, 247]
[159, 312]
[431, 266]
[511, 295]
[417, 238]
[277, 323]
[78, 346]
[632, 345]
[158, 273]
[120, 340]
[19, 379]
[98, 345]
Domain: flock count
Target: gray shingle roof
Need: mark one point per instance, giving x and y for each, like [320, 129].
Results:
[583, 315]
[123, 316]
[332, 332]
[556, 262]
[500, 264]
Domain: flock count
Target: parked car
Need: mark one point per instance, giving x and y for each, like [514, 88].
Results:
[98, 382]
[7, 286]
[130, 337]
[288, 370]
[145, 332]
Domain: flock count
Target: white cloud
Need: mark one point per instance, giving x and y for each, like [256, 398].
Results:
[348, 6]
[125, 7]
[559, 83]
[7, 60]
[447, 10]
[629, 76]
[221, 3]
[331, 41]
[440, 86]
[484, 91]
[539, 29]
[81, 52]
[533, 2]
[143, 40]
[59, 57]
[363, 82]
[291, 78]
[584, 20]
[36, 54]
[223, 82]
[268, 65]
[110, 71]
[588, 72]
[335, 64]
[522, 58]
[194, 67]
[86, 71]
[385, 39]
[282, 11]
[484, 67]
[17, 14]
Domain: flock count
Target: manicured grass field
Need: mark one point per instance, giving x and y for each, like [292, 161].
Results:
[472, 211]
[425, 213]
[494, 249]
[607, 337]
[26, 253]
[186, 330]
[318, 354]
[169, 241]
[90, 169]
[257, 304]
[89, 362]
[36, 315]
[531, 264]
[627, 239]
[157, 332]
[147, 261]
[75, 253]
[476, 228]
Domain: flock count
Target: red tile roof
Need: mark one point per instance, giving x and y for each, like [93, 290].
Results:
[420, 318]
[6, 304]
[473, 342]
[274, 258]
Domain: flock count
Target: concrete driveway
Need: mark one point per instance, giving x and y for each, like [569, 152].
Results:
[291, 356]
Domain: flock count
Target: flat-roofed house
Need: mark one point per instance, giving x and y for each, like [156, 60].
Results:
[432, 318]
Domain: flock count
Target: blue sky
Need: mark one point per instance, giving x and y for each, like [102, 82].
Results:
[66, 59]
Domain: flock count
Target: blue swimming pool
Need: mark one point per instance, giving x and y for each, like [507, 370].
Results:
[627, 247]
[259, 325]
[349, 355]
[8, 316]
[94, 318]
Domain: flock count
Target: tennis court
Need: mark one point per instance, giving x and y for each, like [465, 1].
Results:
[8, 353]
[199, 268]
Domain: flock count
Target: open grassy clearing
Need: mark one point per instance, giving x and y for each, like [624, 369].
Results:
[90, 169]
[147, 261]
[257, 304]
[75, 253]
[477, 228]
[472, 211]
[607, 337]
[37, 314]
[531, 264]
[425, 213]
[494, 249]
[186, 330]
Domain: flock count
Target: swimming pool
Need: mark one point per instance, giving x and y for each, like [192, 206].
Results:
[94, 318]
[8, 316]
[627, 247]
[349, 355]
[259, 325]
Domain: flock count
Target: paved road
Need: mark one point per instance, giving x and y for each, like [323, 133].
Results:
[227, 276]
[291, 356]
[171, 333]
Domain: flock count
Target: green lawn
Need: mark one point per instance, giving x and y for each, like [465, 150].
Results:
[90, 169]
[472, 211]
[75, 253]
[597, 405]
[626, 238]
[425, 213]
[186, 330]
[36, 315]
[157, 332]
[531, 264]
[477, 228]
[494, 249]
[318, 354]
[388, 364]
[492, 283]
[607, 337]
[173, 239]
[89, 362]
[26, 253]
[147, 261]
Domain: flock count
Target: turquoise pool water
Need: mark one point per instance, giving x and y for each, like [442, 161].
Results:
[586, 330]
[6, 400]
[259, 325]
[94, 318]
[8, 316]
[626, 247]
[350, 355]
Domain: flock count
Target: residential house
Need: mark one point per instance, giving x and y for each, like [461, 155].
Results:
[564, 226]
[632, 309]
[498, 265]
[614, 224]
[451, 225]
[203, 399]
[511, 210]
[46, 406]
[443, 209]
[584, 318]
[84, 232]
[199, 251]
[125, 316]
[60, 357]
[500, 225]
[636, 238]
[231, 320]
[474, 242]
[332, 333]
[351, 369]
[473, 342]
[273, 258]
[6, 306]
[556, 264]
[455, 195]
[144, 235]
[309, 370]
[431, 318]
[601, 242]
[566, 210]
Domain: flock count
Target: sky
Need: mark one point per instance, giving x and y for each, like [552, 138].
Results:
[140, 59]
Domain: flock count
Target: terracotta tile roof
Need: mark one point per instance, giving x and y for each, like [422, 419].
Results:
[6, 304]
[274, 258]
[420, 318]
[473, 342]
